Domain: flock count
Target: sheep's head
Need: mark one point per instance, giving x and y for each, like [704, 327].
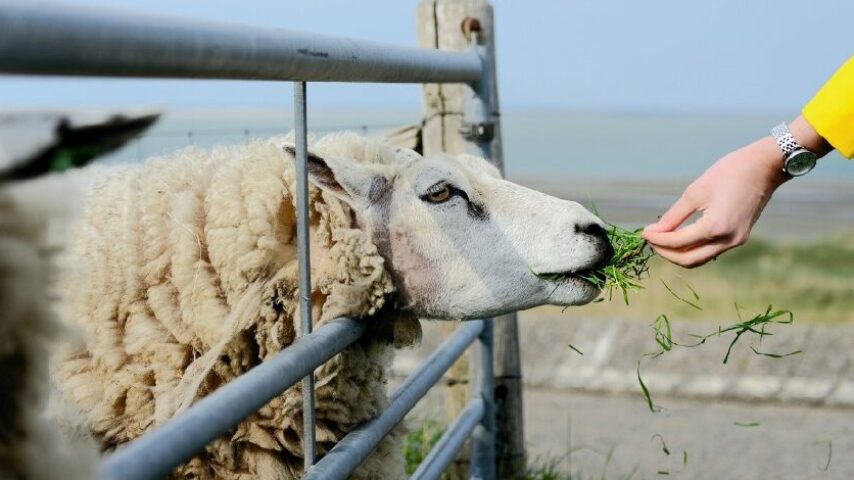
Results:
[461, 242]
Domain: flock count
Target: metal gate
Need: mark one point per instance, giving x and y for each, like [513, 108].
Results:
[45, 39]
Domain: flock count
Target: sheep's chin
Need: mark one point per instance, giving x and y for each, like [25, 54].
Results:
[573, 291]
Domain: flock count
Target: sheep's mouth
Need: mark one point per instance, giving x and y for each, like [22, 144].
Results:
[593, 276]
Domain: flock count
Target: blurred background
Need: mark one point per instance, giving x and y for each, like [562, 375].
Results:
[618, 104]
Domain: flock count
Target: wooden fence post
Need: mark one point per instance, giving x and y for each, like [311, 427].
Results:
[440, 27]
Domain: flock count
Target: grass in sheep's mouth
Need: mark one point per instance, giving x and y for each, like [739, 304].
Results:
[625, 269]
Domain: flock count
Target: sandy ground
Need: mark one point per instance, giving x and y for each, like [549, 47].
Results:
[790, 442]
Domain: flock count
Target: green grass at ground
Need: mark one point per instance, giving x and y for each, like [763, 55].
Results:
[419, 442]
[814, 280]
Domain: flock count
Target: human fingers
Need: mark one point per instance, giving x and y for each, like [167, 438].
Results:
[691, 235]
[694, 257]
[673, 217]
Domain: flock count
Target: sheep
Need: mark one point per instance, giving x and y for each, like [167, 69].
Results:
[182, 275]
[31, 447]
[35, 205]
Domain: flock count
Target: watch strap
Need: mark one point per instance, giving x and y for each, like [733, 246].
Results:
[785, 140]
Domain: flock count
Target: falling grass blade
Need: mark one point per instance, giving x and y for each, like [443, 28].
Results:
[663, 335]
[663, 444]
[738, 311]
[632, 473]
[607, 461]
[775, 355]
[576, 350]
[770, 316]
[689, 287]
[829, 455]
[652, 407]
[746, 424]
[756, 325]
[731, 344]
[680, 298]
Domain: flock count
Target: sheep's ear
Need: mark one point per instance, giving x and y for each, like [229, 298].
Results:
[478, 164]
[357, 184]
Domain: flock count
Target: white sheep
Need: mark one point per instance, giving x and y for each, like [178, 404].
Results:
[31, 447]
[185, 277]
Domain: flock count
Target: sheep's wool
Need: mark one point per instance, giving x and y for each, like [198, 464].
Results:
[30, 447]
[186, 277]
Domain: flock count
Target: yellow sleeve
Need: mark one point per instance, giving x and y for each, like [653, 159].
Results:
[831, 111]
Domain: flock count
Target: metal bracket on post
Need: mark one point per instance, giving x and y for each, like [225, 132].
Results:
[477, 126]
[478, 132]
[481, 131]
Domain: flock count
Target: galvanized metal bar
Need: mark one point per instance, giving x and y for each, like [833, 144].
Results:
[304, 253]
[155, 454]
[483, 439]
[443, 453]
[57, 39]
[482, 121]
[358, 444]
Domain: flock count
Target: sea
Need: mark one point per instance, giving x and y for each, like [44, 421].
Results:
[551, 144]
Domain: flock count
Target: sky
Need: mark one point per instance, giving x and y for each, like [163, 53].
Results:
[695, 56]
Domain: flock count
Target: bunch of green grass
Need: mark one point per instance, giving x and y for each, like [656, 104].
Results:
[627, 267]
[755, 326]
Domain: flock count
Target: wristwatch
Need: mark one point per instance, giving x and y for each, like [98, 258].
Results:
[797, 160]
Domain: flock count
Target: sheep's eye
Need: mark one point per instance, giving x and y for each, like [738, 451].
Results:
[438, 193]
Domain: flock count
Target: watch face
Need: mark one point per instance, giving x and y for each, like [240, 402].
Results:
[800, 162]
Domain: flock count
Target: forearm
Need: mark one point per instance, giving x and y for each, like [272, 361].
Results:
[808, 137]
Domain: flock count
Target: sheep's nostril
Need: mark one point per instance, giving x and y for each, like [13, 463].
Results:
[593, 229]
[598, 232]
[608, 251]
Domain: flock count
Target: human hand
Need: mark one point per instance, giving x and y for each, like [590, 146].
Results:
[730, 196]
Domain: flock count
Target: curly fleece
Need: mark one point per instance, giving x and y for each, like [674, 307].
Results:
[31, 447]
[187, 278]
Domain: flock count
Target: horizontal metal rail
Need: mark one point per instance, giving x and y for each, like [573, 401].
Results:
[445, 450]
[359, 443]
[155, 454]
[55, 39]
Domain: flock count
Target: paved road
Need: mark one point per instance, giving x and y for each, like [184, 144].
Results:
[566, 410]
[790, 442]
